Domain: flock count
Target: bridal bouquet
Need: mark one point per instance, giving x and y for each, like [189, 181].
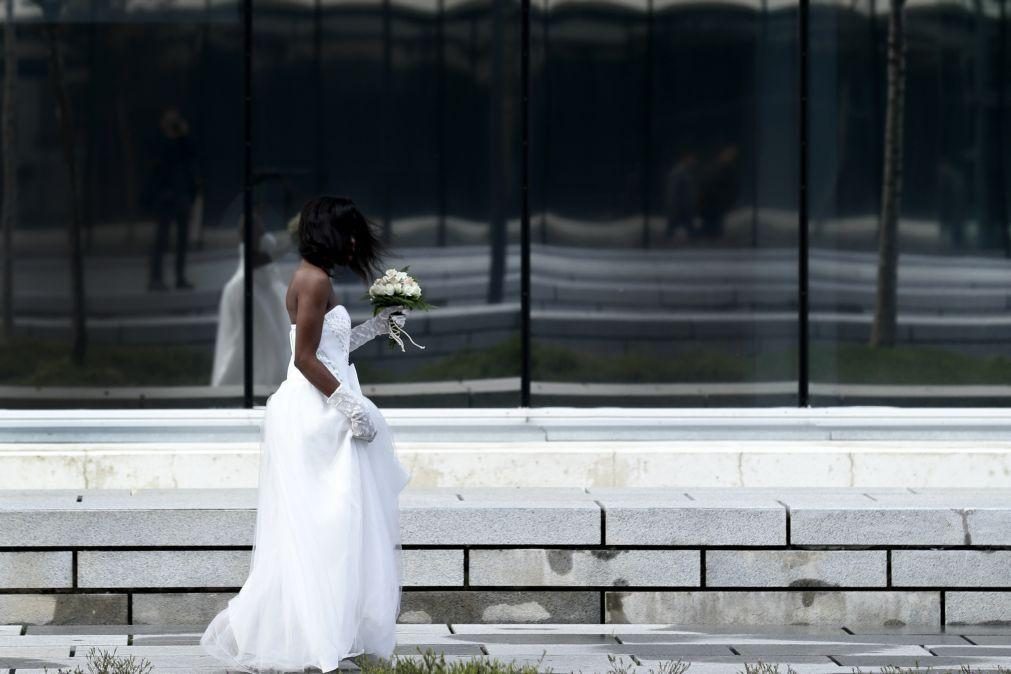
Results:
[396, 288]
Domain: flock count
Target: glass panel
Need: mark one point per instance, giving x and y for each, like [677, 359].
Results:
[126, 154]
[665, 227]
[950, 343]
[410, 108]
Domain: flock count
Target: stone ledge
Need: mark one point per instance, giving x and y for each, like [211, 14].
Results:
[701, 556]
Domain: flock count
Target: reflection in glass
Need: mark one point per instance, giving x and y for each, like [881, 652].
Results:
[127, 151]
[664, 146]
[410, 109]
[951, 345]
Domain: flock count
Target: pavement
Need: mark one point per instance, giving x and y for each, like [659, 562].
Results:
[586, 648]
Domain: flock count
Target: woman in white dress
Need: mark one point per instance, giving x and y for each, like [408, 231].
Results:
[271, 326]
[324, 583]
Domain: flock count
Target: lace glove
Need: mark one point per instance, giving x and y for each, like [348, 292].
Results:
[354, 408]
[375, 326]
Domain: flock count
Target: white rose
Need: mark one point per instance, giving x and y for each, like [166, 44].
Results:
[402, 276]
[391, 272]
[415, 291]
[398, 288]
[388, 289]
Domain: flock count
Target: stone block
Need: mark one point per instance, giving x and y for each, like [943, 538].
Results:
[63, 609]
[977, 608]
[870, 524]
[30, 570]
[455, 522]
[128, 528]
[432, 567]
[951, 568]
[676, 519]
[565, 567]
[769, 607]
[162, 568]
[796, 568]
[178, 608]
[475, 606]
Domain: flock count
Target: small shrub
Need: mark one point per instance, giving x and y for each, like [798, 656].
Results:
[435, 663]
[104, 662]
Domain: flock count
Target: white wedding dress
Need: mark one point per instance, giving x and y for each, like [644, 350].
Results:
[325, 578]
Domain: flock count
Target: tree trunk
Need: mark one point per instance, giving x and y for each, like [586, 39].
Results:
[74, 226]
[10, 166]
[885, 319]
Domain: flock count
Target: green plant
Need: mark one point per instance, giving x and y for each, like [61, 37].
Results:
[435, 663]
[104, 662]
[619, 666]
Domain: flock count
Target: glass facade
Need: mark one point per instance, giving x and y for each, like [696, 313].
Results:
[635, 164]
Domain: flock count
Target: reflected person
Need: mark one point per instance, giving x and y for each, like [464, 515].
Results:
[718, 191]
[682, 194]
[271, 349]
[170, 194]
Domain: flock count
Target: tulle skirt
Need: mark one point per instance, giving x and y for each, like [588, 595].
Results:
[325, 578]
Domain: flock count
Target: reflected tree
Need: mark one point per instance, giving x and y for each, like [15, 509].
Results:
[51, 12]
[10, 164]
[886, 305]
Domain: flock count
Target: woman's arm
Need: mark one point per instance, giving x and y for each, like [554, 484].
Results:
[312, 299]
[377, 325]
[310, 310]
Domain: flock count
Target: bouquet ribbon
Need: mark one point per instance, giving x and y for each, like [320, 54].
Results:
[397, 334]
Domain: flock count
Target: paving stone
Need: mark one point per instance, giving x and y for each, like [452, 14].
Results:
[180, 608]
[63, 609]
[796, 568]
[7, 630]
[673, 651]
[157, 630]
[976, 608]
[809, 607]
[432, 567]
[548, 639]
[527, 567]
[833, 649]
[735, 665]
[990, 639]
[31, 570]
[864, 661]
[951, 568]
[162, 568]
[67, 640]
[455, 522]
[470, 606]
[39, 665]
[443, 648]
[976, 651]
[742, 637]
[674, 519]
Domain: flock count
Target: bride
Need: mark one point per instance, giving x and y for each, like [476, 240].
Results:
[324, 582]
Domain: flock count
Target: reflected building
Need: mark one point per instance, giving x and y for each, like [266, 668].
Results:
[659, 162]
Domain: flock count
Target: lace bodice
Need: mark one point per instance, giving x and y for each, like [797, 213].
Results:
[334, 341]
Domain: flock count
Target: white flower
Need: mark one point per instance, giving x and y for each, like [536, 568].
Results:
[414, 291]
[402, 276]
[388, 289]
[398, 288]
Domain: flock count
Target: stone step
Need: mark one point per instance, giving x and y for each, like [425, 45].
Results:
[872, 558]
[604, 447]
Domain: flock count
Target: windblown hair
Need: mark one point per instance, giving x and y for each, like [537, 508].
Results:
[326, 229]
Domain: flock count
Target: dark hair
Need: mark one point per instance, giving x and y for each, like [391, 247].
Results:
[326, 229]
